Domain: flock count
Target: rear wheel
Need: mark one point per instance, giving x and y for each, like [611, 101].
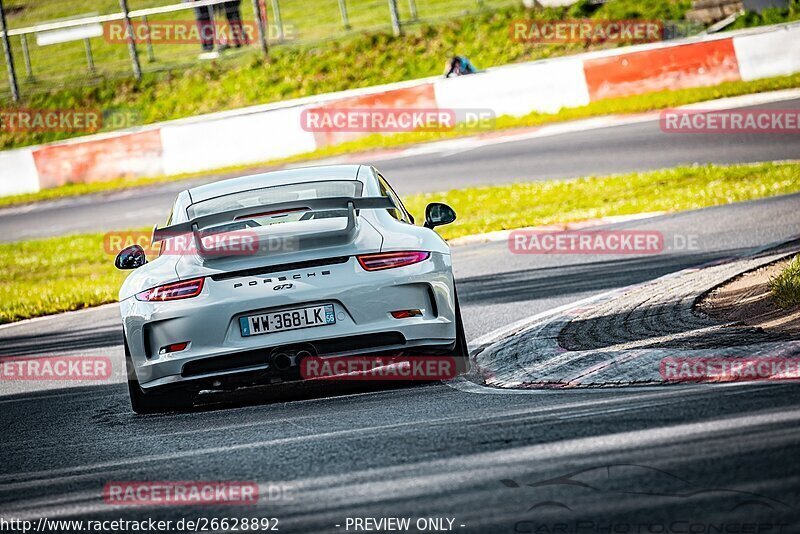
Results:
[144, 402]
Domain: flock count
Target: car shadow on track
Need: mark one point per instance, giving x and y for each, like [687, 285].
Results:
[59, 341]
[294, 392]
[110, 402]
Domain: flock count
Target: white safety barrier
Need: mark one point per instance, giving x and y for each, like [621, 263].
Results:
[18, 172]
[235, 140]
[544, 86]
[764, 55]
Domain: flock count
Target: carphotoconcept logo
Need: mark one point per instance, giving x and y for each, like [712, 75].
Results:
[734, 511]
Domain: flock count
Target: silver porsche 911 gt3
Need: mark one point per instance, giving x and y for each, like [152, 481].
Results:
[254, 274]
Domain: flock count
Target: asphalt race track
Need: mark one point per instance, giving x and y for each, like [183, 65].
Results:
[604, 460]
[634, 147]
[454, 450]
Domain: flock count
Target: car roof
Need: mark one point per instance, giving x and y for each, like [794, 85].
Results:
[270, 179]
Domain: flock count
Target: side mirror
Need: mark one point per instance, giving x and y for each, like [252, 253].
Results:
[132, 257]
[437, 214]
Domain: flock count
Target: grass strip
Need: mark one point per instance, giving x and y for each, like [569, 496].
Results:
[786, 286]
[65, 273]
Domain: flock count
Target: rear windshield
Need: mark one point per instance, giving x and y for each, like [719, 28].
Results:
[275, 195]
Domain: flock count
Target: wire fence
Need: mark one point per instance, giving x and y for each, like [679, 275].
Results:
[62, 43]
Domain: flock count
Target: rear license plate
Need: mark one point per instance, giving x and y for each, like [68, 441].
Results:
[267, 323]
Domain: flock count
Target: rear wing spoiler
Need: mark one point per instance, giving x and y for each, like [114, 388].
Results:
[351, 204]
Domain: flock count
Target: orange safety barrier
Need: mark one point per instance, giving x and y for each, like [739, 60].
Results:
[661, 69]
[126, 156]
[419, 96]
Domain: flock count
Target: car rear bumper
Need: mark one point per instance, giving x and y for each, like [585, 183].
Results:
[362, 303]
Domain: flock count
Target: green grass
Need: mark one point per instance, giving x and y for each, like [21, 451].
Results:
[786, 286]
[631, 9]
[487, 209]
[67, 273]
[623, 105]
[55, 275]
[301, 25]
[768, 16]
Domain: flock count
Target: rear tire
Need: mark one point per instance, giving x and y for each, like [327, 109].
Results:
[159, 401]
[460, 351]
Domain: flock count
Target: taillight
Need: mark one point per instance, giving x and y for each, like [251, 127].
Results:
[176, 291]
[390, 260]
